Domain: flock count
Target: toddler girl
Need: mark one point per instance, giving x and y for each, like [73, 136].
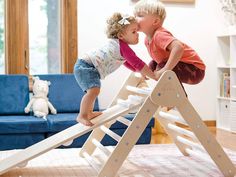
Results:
[88, 70]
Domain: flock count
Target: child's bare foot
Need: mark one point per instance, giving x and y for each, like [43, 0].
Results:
[84, 121]
[94, 114]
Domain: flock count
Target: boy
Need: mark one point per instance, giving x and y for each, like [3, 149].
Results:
[167, 52]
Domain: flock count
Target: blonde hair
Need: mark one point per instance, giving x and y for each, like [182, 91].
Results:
[114, 27]
[151, 7]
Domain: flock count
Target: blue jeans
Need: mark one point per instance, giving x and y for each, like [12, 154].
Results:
[86, 75]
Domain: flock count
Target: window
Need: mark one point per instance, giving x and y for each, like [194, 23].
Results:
[41, 36]
[44, 36]
[2, 56]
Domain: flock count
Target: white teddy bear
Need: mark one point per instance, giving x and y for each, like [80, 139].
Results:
[39, 101]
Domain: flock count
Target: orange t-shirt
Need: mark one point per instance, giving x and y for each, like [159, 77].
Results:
[157, 49]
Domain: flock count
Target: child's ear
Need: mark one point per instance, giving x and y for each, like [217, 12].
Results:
[120, 36]
[157, 22]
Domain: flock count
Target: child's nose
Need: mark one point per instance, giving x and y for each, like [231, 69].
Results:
[138, 27]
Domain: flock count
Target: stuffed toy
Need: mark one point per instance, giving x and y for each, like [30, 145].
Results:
[39, 101]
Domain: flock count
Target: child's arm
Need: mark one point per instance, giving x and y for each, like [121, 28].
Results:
[133, 62]
[146, 71]
[176, 51]
[127, 65]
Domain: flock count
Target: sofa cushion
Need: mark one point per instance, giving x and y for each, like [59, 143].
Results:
[14, 94]
[22, 124]
[19, 141]
[62, 121]
[64, 93]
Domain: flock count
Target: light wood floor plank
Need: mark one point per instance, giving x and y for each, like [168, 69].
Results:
[55, 164]
[225, 138]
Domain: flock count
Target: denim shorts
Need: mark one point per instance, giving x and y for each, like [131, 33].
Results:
[86, 75]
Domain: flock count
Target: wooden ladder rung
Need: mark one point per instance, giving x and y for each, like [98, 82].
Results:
[190, 143]
[200, 155]
[172, 117]
[143, 91]
[132, 100]
[95, 164]
[110, 133]
[182, 131]
[101, 147]
[123, 120]
[123, 102]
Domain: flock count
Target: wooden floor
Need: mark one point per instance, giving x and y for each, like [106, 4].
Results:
[60, 168]
[225, 138]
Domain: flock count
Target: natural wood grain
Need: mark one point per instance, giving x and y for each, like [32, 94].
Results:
[16, 37]
[69, 44]
[225, 138]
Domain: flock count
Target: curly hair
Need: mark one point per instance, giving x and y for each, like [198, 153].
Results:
[151, 7]
[114, 27]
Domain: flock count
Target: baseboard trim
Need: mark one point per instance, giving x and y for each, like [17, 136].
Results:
[209, 123]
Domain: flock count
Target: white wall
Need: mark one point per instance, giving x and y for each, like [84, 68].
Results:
[195, 24]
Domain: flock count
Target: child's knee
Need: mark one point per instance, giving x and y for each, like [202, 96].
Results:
[94, 91]
[152, 65]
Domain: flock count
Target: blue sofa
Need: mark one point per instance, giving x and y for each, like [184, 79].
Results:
[19, 130]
